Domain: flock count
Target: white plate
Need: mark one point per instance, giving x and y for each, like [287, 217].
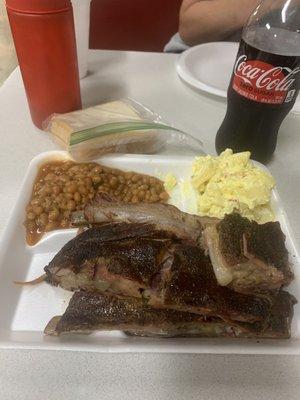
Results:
[25, 311]
[208, 67]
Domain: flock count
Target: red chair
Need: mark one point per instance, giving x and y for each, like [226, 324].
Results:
[133, 24]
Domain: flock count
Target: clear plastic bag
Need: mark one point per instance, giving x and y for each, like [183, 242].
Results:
[123, 126]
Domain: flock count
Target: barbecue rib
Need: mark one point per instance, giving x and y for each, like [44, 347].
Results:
[90, 311]
[162, 216]
[137, 260]
[248, 256]
[245, 255]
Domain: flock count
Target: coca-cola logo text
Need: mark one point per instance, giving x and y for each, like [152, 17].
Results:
[267, 76]
[261, 81]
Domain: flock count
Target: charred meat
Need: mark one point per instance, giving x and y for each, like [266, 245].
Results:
[245, 255]
[248, 256]
[139, 261]
[90, 311]
[149, 269]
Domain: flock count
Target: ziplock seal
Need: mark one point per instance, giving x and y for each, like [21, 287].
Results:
[102, 130]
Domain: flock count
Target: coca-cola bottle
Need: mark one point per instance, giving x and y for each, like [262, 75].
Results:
[265, 80]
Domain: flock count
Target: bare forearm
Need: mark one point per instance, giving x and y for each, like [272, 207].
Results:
[210, 20]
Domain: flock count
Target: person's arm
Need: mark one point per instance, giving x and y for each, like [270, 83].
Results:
[211, 20]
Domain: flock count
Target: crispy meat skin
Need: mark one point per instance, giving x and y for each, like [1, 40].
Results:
[88, 309]
[231, 230]
[266, 242]
[145, 255]
[129, 264]
[91, 311]
[87, 245]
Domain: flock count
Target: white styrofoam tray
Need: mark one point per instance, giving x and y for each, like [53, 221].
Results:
[25, 311]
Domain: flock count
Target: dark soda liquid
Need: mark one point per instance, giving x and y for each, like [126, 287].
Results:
[253, 125]
[250, 127]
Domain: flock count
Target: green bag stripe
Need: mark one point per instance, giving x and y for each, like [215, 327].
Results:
[115, 127]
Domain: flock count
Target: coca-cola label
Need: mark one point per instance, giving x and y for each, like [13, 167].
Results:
[260, 81]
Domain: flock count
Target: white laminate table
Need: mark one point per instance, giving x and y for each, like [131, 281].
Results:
[30, 374]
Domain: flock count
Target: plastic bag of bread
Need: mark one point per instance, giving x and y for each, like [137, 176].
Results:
[123, 126]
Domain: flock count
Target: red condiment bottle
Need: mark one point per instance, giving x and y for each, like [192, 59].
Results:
[44, 37]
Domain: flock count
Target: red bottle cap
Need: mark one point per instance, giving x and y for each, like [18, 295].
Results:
[38, 6]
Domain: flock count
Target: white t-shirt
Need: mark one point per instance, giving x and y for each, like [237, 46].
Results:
[177, 45]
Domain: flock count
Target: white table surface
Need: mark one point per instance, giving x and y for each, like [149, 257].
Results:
[30, 374]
